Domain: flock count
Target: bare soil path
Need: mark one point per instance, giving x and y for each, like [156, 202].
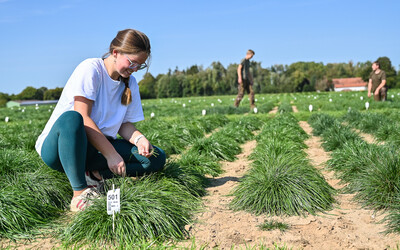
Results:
[368, 137]
[274, 110]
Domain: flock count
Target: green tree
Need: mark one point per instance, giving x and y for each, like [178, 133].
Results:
[52, 94]
[148, 86]
[386, 65]
[30, 93]
[4, 98]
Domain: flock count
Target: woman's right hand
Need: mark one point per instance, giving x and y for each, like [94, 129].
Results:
[117, 165]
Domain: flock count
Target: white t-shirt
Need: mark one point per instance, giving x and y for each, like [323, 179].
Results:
[91, 80]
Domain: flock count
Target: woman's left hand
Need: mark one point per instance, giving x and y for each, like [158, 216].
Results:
[144, 147]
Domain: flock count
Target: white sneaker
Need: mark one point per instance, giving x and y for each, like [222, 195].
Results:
[99, 185]
[84, 200]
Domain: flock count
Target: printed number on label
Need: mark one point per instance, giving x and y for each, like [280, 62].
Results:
[113, 201]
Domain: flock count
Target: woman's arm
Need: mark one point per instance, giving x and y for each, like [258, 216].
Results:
[129, 132]
[96, 137]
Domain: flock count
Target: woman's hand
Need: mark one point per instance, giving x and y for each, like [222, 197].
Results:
[144, 147]
[117, 165]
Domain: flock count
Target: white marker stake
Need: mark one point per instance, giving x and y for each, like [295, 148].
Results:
[152, 114]
[366, 105]
[330, 100]
[183, 105]
[7, 119]
[113, 203]
[361, 98]
[203, 112]
[212, 104]
[310, 107]
[392, 96]
[255, 110]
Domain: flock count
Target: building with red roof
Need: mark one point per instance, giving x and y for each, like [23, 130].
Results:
[349, 84]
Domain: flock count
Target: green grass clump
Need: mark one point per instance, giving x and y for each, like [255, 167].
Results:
[32, 199]
[265, 107]
[152, 209]
[17, 161]
[210, 122]
[321, 122]
[392, 219]
[272, 225]
[188, 176]
[281, 180]
[285, 107]
[379, 185]
[337, 135]
[217, 147]
[20, 136]
[251, 122]
[351, 159]
[283, 185]
[201, 164]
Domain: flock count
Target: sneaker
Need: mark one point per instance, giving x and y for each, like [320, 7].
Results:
[92, 182]
[84, 200]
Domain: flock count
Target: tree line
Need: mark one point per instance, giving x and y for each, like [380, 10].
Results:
[296, 77]
[218, 80]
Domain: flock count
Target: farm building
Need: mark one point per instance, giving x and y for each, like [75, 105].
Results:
[349, 84]
[29, 102]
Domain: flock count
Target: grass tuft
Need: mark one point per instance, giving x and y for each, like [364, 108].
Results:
[152, 209]
[272, 225]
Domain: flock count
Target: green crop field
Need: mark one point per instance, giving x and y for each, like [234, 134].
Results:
[198, 133]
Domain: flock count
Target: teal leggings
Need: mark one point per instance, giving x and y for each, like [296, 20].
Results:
[66, 149]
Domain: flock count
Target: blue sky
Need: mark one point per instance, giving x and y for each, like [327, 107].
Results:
[43, 41]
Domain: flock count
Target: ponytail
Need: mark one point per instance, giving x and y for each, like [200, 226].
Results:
[133, 42]
[126, 97]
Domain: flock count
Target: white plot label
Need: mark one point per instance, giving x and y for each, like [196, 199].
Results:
[113, 201]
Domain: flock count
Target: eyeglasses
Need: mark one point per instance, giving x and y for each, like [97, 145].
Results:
[134, 65]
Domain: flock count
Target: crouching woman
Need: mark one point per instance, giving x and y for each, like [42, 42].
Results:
[100, 100]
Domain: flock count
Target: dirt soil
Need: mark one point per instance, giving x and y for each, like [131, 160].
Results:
[274, 110]
[368, 137]
[348, 226]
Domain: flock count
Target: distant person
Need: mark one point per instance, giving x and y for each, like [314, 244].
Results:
[377, 82]
[100, 100]
[245, 79]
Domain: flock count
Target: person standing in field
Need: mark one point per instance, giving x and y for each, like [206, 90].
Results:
[377, 82]
[100, 100]
[245, 80]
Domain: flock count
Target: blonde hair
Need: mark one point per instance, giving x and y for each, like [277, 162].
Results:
[129, 41]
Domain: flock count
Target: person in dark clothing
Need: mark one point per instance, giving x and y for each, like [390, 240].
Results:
[377, 82]
[245, 80]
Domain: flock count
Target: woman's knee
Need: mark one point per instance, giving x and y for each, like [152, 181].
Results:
[71, 120]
